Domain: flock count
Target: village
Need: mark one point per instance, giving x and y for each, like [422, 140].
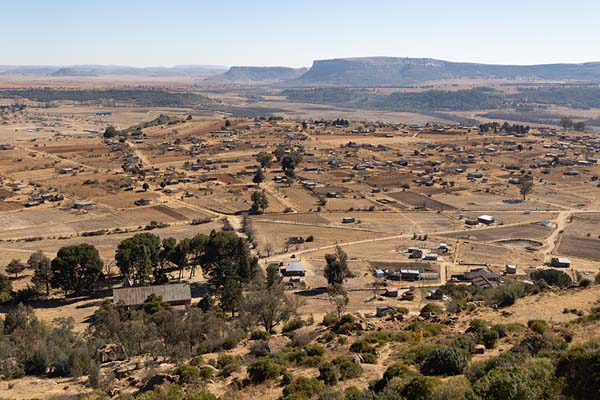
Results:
[414, 207]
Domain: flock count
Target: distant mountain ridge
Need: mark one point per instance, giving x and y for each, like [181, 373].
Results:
[113, 70]
[394, 71]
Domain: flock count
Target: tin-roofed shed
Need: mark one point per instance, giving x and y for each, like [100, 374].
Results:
[174, 294]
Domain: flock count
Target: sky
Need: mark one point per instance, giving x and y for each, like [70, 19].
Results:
[294, 33]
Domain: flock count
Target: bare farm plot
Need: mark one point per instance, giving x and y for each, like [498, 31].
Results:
[276, 235]
[421, 201]
[479, 253]
[482, 201]
[581, 247]
[525, 231]
[584, 225]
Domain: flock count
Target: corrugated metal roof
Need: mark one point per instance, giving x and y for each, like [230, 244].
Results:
[296, 266]
[131, 296]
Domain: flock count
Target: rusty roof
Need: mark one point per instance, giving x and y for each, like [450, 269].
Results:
[173, 292]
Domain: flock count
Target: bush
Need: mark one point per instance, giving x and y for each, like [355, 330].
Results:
[206, 372]
[329, 319]
[310, 238]
[314, 350]
[260, 348]
[259, 335]
[420, 388]
[187, 373]
[347, 368]
[201, 394]
[293, 325]
[537, 325]
[263, 370]
[552, 277]
[445, 360]
[490, 339]
[229, 364]
[369, 358]
[329, 374]
[303, 388]
[430, 310]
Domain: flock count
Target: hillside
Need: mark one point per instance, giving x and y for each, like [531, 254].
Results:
[255, 75]
[390, 71]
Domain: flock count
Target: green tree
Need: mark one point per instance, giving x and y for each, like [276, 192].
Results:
[145, 186]
[228, 264]
[110, 132]
[76, 268]
[579, 367]
[42, 271]
[259, 176]
[15, 267]
[138, 257]
[525, 186]
[260, 202]
[268, 305]
[579, 126]
[445, 360]
[264, 159]
[5, 289]
[566, 123]
[336, 268]
[552, 277]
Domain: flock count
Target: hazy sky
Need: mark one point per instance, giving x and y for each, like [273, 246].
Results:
[294, 33]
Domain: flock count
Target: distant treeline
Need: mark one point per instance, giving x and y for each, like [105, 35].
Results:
[142, 97]
[459, 100]
[478, 98]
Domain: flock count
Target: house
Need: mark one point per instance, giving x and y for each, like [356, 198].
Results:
[391, 291]
[295, 240]
[443, 247]
[481, 278]
[293, 268]
[142, 202]
[176, 295]
[510, 269]
[415, 253]
[82, 205]
[560, 262]
[348, 220]
[409, 274]
[430, 257]
[485, 219]
[379, 273]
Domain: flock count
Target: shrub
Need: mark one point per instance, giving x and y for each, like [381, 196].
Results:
[362, 347]
[369, 358]
[417, 354]
[420, 388]
[201, 394]
[228, 364]
[187, 373]
[259, 335]
[537, 325]
[263, 370]
[260, 348]
[490, 339]
[552, 277]
[292, 325]
[329, 373]
[206, 372]
[430, 310]
[310, 238]
[303, 388]
[347, 368]
[445, 360]
[314, 350]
